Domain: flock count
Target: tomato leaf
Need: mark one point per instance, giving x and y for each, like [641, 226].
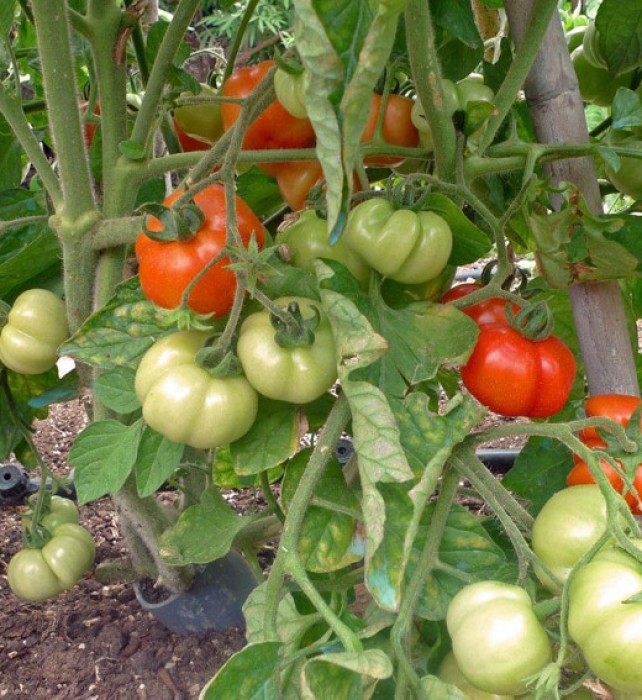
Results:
[103, 456]
[341, 675]
[157, 461]
[119, 334]
[247, 675]
[10, 157]
[328, 531]
[456, 16]
[184, 542]
[619, 25]
[270, 441]
[539, 471]
[626, 110]
[115, 389]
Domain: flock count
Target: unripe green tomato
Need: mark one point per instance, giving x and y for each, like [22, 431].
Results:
[290, 92]
[63, 510]
[497, 640]
[406, 246]
[450, 673]
[38, 574]
[36, 326]
[297, 375]
[204, 120]
[307, 239]
[184, 402]
[628, 179]
[596, 84]
[568, 525]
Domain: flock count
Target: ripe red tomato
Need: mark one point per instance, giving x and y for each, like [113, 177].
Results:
[295, 180]
[491, 310]
[89, 127]
[167, 267]
[273, 128]
[581, 474]
[397, 128]
[515, 376]
[618, 407]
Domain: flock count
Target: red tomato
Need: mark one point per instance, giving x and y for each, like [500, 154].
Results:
[190, 143]
[581, 474]
[273, 128]
[89, 127]
[295, 179]
[515, 376]
[167, 267]
[397, 129]
[486, 312]
[618, 407]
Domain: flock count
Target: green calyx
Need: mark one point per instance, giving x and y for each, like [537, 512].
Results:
[295, 331]
[410, 193]
[534, 321]
[179, 223]
[219, 362]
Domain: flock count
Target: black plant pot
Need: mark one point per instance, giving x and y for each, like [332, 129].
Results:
[214, 602]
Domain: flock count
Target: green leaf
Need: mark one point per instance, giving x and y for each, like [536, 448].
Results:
[270, 441]
[340, 675]
[438, 690]
[469, 242]
[248, 675]
[27, 387]
[64, 389]
[184, 543]
[327, 533]
[10, 157]
[103, 456]
[619, 25]
[157, 461]
[456, 16]
[626, 110]
[259, 191]
[539, 471]
[6, 16]
[118, 334]
[9, 433]
[132, 150]
[115, 389]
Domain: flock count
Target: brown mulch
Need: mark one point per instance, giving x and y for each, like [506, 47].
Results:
[94, 642]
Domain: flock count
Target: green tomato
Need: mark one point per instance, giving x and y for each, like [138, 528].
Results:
[290, 92]
[38, 574]
[568, 525]
[608, 631]
[450, 673]
[183, 402]
[297, 375]
[204, 120]
[62, 510]
[36, 326]
[307, 239]
[406, 246]
[628, 179]
[497, 640]
[595, 83]
[591, 46]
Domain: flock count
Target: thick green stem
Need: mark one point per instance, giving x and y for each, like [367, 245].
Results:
[11, 111]
[143, 128]
[58, 69]
[428, 560]
[420, 38]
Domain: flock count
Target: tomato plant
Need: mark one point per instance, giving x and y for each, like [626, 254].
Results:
[498, 642]
[597, 85]
[166, 268]
[36, 325]
[307, 239]
[273, 128]
[516, 376]
[569, 524]
[297, 374]
[609, 633]
[406, 246]
[185, 403]
[37, 574]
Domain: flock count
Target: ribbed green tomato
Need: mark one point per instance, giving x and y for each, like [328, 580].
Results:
[568, 525]
[596, 84]
[202, 121]
[38, 574]
[497, 640]
[404, 245]
[628, 179]
[307, 239]
[36, 326]
[297, 375]
[62, 510]
[290, 92]
[608, 630]
[450, 673]
[184, 402]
